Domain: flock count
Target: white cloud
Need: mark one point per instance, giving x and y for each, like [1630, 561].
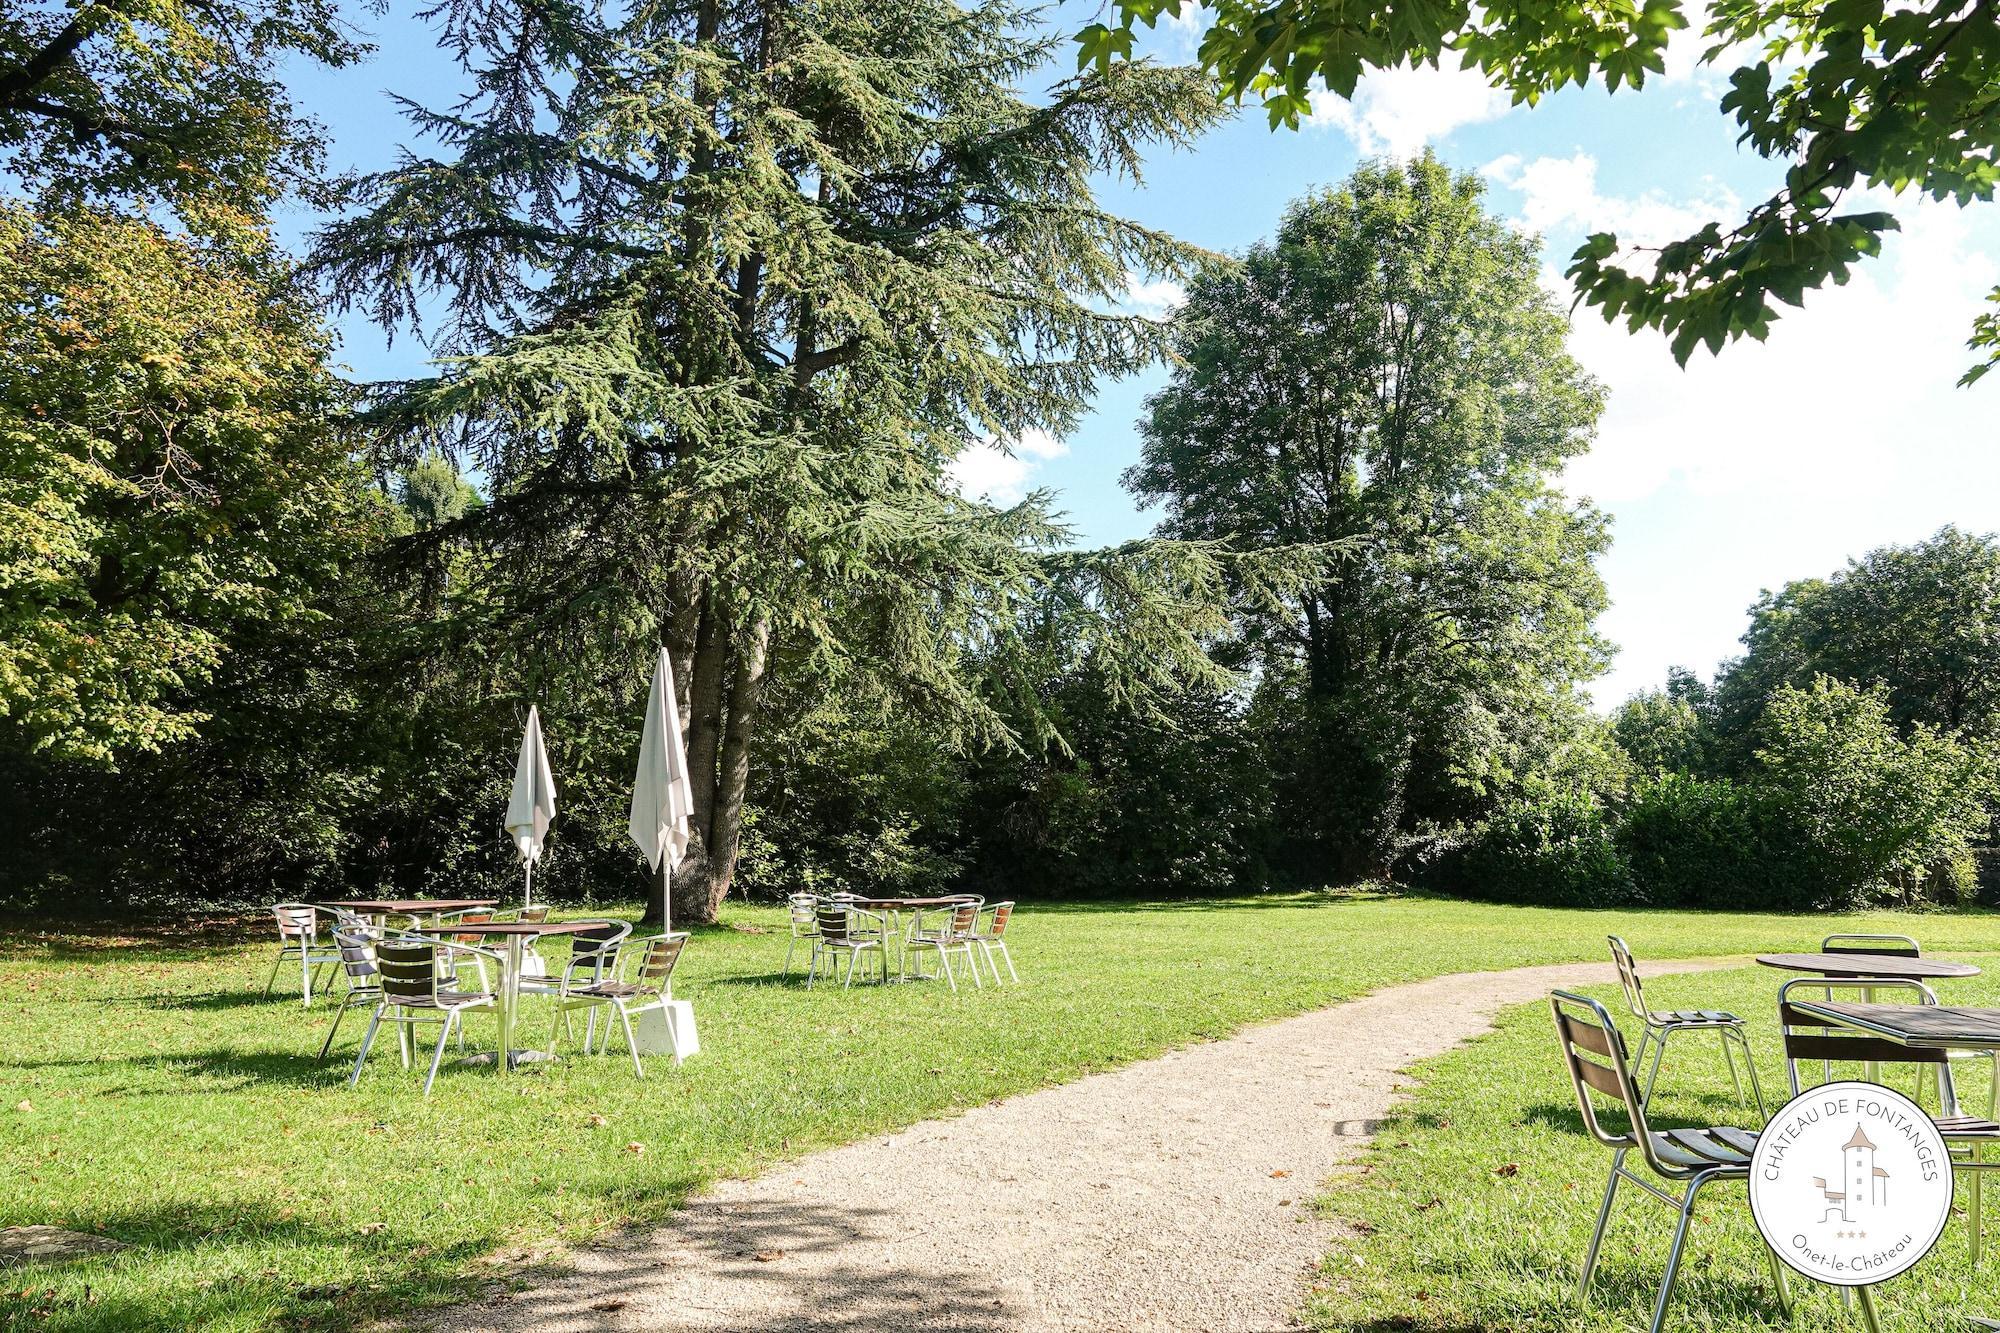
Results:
[1000, 472]
[1397, 111]
[1155, 298]
[1560, 193]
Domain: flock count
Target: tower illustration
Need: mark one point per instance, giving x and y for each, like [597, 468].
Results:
[1861, 1183]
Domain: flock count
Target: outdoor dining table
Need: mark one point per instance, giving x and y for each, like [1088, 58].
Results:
[516, 933]
[377, 908]
[893, 908]
[1866, 966]
[1931, 1027]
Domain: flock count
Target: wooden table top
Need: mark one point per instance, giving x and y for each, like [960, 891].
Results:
[412, 904]
[511, 928]
[1891, 965]
[1931, 1026]
[881, 904]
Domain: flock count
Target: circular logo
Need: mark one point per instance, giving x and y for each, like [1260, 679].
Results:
[1850, 1183]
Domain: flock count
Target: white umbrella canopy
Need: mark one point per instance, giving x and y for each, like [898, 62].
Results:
[662, 795]
[531, 808]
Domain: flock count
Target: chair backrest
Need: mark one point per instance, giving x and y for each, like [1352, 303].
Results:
[657, 964]
[296, 921]
[357, 955]
[1808, 1039]
[472, 919]
[804, 919]
[1628, 976]
[408, 968]
[1894, 946]
[533, 916]
[594, 949]
[1001, 914]
[1594, 1053]
[832, 920]
[965, 917]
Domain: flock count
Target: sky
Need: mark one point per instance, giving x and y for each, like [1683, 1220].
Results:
[1770, 462]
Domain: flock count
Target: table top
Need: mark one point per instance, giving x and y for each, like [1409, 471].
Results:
[400, 905]
[882, 904]
[510, 928]
[1868, 965]
[1932, 1026]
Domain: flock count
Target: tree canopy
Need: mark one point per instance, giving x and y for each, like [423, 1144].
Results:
[1846, 94]
[1386, 378]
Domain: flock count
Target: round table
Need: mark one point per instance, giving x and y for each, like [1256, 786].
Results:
[1868, 966]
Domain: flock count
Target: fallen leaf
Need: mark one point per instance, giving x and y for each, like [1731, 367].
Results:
[1279, 1175]
[597, 1122]
[768, 1256]
[370, 1228]
[24, 1105]
[615, 1303]
[636, 1149]
[1511, 1169]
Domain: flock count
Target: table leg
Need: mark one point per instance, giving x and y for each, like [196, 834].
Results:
[510, 986]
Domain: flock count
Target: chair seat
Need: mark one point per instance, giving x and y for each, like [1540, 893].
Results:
[1720, 1145]
[1967, 1127]
[1712, 1018]
[853, 942]
[610, 990]
[444, 999]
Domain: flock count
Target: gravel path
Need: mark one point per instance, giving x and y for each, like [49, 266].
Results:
[1171, 1194]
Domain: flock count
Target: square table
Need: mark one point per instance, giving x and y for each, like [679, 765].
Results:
[515, 933]
[1931, 1027]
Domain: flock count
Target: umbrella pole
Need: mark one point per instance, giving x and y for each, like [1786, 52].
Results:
[528, 887]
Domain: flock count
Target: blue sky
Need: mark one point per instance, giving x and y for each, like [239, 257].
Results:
[1771, 462]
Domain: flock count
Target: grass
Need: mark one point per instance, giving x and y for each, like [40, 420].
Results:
[1474, 1206]
[148, 1093]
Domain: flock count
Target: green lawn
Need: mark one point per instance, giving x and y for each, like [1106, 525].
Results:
[1476, 1203]
[148, 1093]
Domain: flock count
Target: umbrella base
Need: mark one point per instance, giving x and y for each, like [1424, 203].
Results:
[482, 1059]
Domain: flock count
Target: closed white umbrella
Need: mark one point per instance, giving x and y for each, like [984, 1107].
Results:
[532, 806]
[662, 795]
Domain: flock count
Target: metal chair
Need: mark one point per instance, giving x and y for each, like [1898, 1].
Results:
[952, 934]
[593, 958]
[989, 934]
[1965, 1136]
[1903, 946]
[805, 926]
[1594, 1052]
[844, 929]
[298, 937]
[364, 983]
[1656, 1027]
[411, 995]
[650, 988]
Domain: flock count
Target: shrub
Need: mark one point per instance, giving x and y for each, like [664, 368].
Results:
[1552, 849]
[1692, 842]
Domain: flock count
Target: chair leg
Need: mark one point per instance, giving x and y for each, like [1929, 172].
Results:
[1674, 1255]
[1781, 1280]
[1001, 945]
[272, 980]
[1750, 1066]
[944, 962]
[305, 977]
[787, 972]
[1975, 1214]
[631, 1044]
[338, 1014]
[437, 1056]
[367, 1040]
[1659, 1050]
[1869, 1319]
[849, 985]
[972, 965]
[1729, 1058]
[1603, 1221]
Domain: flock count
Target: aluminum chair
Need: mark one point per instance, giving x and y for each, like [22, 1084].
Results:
[298, 937]
[989, 934]
[593, 958]
[844, 929]
[650, 988]
[1594, 1052]
[411, 995]
[951, 933]
[805, 926]
[1903, 946]
[1657, 1026]
[364, 983]
[1807, 1040]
